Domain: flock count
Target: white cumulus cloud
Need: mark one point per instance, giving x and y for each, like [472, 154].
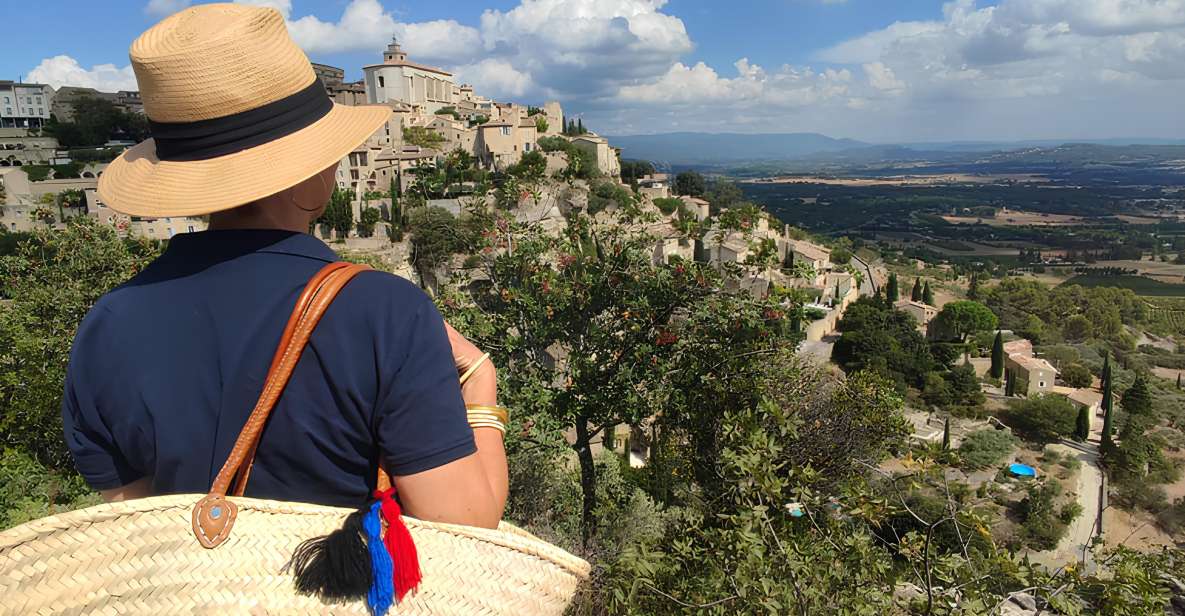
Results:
[497, 78]
[63, 70]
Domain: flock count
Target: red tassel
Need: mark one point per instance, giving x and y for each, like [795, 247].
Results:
[399, 545]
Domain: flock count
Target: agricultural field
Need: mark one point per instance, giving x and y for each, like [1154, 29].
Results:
[1141, 285]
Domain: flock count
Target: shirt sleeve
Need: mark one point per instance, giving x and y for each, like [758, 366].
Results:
[90, 440]
[421, 420]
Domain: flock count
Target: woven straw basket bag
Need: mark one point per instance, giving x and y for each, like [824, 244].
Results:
[177, 555]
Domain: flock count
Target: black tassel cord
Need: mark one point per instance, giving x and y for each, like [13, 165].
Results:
[335, 567]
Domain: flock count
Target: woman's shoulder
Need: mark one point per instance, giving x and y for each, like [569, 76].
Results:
[385, 293]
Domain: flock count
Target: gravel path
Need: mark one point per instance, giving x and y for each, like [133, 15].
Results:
[1079, 534]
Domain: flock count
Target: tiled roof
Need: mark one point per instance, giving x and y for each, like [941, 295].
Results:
[1032, 363]
[809, 250]
[1019, 347]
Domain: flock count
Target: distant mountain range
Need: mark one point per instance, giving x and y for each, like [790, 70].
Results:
[707, 148]
[695, 149]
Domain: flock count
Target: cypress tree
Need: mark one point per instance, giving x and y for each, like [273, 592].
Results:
[1178, 380]
[973, 286]
[916, 293]
[946, 435]
[1137, 400]
[837, 292]
[1082, 429]
[580, 126]
[1108, 404]
[927, 295]
[998, 356]
[1009, 383]
[891, 290]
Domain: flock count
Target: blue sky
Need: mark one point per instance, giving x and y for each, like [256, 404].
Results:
[879, 70]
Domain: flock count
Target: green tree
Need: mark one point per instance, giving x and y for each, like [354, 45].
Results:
[963, 318]
[916, 294]
[927, 294]
[52, 280]
[1137, 400]
[986, 448]
[1108, 405]
[946, 434]
[891, 291]
[435, 237]
[580, 127]
[973, 287]
[610, 313]
[369, 218]
[997, 369]
[339, 213]
[1082, 428]
[1077, 328]
[97, 121]
[724, 194]
[541, 125]
[1045, 418]
[690, 183]
[1009, 383]
[1077, 375]
[875, 336]
[531, 168]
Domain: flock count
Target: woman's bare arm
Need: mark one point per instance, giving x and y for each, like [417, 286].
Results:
[139, 488]
[472, 490]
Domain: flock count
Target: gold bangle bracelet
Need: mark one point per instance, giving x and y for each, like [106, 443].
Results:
[490, 412]
[486, 420]
[488, 424]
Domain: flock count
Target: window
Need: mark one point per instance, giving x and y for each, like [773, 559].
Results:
[191, 228]
[527, 147]
[1041, 384]
[40, 111]
[8, 110]
[382, 82]
[6, 100]
[38, 100]
[506, 130]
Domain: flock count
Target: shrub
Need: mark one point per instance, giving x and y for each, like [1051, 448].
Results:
[1044, 419]
[1041, 526]
[29, 491]
[554, 144]
[986, 448]
[606, 194]
[1077, 375]
[668, 205]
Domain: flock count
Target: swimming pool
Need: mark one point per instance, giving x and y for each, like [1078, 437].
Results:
[1022, 470]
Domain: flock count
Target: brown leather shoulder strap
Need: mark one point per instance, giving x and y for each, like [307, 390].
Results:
[213, 516]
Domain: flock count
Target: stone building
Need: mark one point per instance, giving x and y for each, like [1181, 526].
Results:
[398, 79]
[608, 162]
[25, 105]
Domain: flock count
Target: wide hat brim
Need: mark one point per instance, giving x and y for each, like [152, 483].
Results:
[139, 184]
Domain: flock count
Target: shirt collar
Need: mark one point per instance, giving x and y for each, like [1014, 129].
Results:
[230, 243]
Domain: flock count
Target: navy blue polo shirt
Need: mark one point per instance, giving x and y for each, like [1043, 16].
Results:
[166, 368]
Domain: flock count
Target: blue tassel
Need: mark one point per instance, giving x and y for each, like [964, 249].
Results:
[382, 588]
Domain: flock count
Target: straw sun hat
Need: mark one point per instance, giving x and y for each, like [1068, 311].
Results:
[236, 114]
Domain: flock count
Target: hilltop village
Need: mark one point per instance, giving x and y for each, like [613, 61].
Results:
[443, 146]
[685, 367]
